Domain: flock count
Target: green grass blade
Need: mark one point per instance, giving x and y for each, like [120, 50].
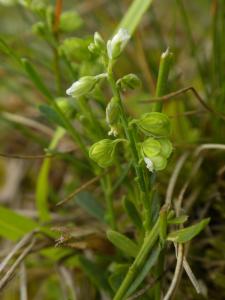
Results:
[134, 14]
[13, 226]
[42, 188]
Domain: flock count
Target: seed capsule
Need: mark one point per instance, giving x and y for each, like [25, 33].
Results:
[103, 152]
[155, 124]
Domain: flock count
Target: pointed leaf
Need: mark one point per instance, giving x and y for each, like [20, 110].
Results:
[122, 242]
[188, 233]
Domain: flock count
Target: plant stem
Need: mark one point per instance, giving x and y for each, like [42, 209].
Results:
[164, 68]
[147, 245]
[130, 137]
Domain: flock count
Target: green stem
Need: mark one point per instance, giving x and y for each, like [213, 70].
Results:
[110, 216]
[129, 136]
[164, 68]
[139, 261]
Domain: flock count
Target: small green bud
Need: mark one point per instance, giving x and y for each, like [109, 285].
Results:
[117, 44]
[155, 124]
[98, 40]
[84, 85]
[112, 116]
[70, 21]
[130, 81]
[151, 147]
[103, 152]
[98, 46]
[39, 28]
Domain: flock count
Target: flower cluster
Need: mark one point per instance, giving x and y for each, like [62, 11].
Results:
[156, 149]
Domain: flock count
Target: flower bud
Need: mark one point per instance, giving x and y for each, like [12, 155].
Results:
[155, 124]
[84, 85]
[151, 147]
[112, 116]
[81, 87]
[103, 152]
[98, 40]
[130, 81]
[118, 43]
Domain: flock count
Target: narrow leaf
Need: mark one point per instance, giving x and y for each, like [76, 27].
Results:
[178, 220]
[150, 262]
[188, 233]
[90, 205]
[123, 243]
[133, 213]
[134, 14]
[14, 226]
[36, 78]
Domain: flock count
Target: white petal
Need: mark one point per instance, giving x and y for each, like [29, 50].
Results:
[149, 164]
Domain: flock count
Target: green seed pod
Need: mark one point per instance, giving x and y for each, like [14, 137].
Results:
[159, 162]
[130, 81]
[103, 152]
[151, 147]
[155, 124]
[166, 147]
[123, 243]
[112, 111]
[155, 163]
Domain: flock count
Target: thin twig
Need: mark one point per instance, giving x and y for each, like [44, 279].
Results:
[209, 146]
[17, 247]
[184, 90]
[81, 188]
[173, 179]
[23, 282]
[26, 156]
[18, 261]
[28, 122]
[178, 270]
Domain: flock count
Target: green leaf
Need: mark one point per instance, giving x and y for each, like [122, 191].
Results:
[42, 186]
[150, 262]
[119, 272]
[188, 233]
[13, 226]
[178, 220]
[95, 273]
[133, 213]
[51, 114]
[134, 14]
[90, 205]
[123, 243]
[36, 78]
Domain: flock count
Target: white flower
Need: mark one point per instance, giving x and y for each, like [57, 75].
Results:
[118, 43]
[149, 164]
[113, 131]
